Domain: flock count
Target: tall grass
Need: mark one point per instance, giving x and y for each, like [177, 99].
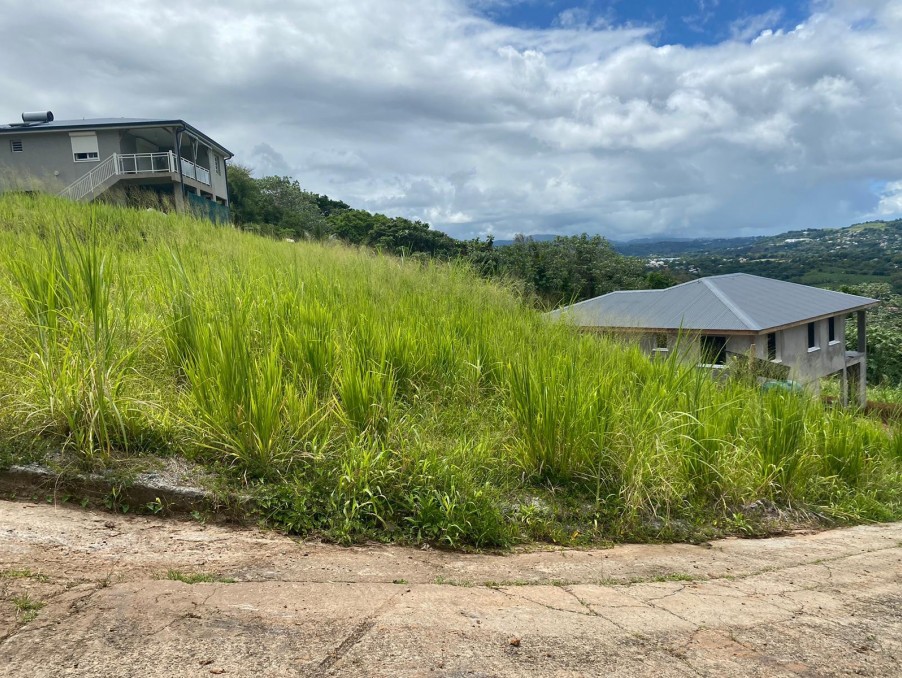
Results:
[361, 394]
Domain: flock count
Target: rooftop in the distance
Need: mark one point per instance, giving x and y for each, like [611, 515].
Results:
[736, 302]
[19, 128]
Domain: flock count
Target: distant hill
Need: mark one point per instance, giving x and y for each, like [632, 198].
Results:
[644, 247]
[861, 253]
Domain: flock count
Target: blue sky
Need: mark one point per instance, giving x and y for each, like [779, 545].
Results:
[622, 118]
[684, 22]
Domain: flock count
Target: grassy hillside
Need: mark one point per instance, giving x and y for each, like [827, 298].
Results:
[364, 395]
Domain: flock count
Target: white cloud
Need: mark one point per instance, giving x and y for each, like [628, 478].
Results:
[890, 204]
[426, 109]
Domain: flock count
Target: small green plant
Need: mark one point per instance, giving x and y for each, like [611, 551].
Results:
[113, 500]
[24, 574]
[26, 607]
[673, 576]
[155, 507]
[198, 577]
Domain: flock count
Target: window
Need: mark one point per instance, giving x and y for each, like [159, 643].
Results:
[772, 346]
[216, 164]
[84, 147]
[15, 145]
[714, 350]
[812, 336]
[660, 340]
[831, 329]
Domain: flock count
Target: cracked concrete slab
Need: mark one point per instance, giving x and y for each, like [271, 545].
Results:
[268, 605]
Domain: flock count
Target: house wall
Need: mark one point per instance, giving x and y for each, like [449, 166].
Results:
[218, 180]
[805, 366]
[46, 161]
[808, 366]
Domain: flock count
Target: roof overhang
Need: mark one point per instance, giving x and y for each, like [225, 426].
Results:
[62, 126]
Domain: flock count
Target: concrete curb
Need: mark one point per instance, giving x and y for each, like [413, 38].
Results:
[147, 493]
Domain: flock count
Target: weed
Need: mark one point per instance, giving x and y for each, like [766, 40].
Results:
[24, 574]
[26, 607]
[197, 577]
[673, 576]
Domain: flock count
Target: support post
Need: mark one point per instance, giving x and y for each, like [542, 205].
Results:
[862, 383]
[862, 336]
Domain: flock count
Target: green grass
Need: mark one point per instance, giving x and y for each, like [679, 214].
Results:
[360, 396]
[197, 577]
[27, 608]
[24, 574]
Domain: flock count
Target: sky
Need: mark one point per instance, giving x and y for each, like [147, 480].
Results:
[627, 119]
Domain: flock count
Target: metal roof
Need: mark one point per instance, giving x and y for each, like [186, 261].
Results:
[106, 123]
[737, 302]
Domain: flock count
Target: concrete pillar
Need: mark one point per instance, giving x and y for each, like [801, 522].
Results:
[862, 336]
[862, 380]
[844, 387]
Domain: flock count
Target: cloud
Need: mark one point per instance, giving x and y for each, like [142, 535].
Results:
[752, 26]
[890, 204]
[428, 109]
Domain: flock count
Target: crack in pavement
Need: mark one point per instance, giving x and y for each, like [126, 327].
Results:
[357, 634]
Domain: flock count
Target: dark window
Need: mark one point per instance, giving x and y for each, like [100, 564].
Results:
[216, 164]
[812, 335]
[15, 145]
[81, 157]
[714, 350]
[772, 346]
[660, 341]
[831, 325]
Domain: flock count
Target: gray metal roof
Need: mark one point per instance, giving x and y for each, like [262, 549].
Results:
[736, 302]
[106, 123]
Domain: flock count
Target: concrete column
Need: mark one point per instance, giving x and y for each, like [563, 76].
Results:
[862, 380]
[862, 336]
[844, 387]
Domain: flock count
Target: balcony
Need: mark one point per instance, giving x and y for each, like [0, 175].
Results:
[196, 172]
[160, 163]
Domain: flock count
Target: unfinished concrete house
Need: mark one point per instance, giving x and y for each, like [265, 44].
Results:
[798, 330]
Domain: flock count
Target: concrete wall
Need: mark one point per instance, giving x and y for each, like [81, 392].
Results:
[805, 366]
[47, 158]
[218, 179]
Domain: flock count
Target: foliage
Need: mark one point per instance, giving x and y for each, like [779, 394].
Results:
[362, 395]
[884, 333]
[552, 272]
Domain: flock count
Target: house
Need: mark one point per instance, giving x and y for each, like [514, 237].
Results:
[793, 331]
[82, 159]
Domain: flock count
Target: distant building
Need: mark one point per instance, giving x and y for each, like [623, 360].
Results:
[83, 159]
[796, 331]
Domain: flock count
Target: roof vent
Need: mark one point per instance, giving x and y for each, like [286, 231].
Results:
[38, 116]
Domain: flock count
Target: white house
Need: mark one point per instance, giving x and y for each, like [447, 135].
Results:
[82, 159]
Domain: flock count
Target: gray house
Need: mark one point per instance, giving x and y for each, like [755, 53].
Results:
[82, 159]
[795, 330]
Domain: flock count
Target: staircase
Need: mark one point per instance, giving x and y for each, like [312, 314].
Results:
[107, 173]
[97, 178]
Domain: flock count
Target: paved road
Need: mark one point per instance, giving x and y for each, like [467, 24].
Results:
[808, 605]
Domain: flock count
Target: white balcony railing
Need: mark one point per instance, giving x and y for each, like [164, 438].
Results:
[196, 172]
[133, 163]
